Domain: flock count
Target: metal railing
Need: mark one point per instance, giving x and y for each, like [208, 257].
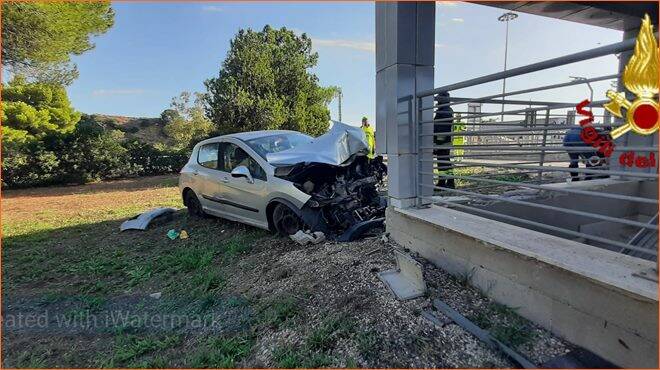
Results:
[518, 157]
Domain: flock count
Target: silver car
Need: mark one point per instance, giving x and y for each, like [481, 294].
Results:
[286, 181]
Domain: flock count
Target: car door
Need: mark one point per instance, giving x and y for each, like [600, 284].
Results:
[208, 177]
[243, 199]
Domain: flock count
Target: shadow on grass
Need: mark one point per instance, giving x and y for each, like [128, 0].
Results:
[91, 281]
[97, 258]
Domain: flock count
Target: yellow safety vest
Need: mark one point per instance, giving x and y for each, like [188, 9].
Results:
[371, 140]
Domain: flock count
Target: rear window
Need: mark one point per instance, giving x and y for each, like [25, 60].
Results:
[277, 142]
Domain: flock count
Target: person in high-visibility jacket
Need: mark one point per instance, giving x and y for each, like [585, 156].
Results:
[371, 137]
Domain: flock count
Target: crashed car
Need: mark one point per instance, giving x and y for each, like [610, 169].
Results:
[286, 181]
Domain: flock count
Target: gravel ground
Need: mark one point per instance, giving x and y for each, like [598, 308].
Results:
[333, 279]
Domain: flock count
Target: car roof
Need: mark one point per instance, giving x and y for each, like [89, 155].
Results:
[251, 135]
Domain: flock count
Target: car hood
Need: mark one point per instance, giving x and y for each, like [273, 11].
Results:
[334, 147]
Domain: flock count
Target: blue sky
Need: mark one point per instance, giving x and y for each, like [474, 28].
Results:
[156, 50]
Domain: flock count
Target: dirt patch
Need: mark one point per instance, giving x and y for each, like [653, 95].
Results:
[99, 187]
[50, 203]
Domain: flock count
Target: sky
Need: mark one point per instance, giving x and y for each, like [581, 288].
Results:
[157, 50]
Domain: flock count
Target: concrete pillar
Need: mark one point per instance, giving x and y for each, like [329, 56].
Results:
[631, 139]
[405, 39]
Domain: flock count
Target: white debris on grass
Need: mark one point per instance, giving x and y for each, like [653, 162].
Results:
[304, 238]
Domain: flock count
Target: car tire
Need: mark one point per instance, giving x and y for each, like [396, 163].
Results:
[286, 221]
[194, 205]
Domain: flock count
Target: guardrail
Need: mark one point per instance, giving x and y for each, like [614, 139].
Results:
[469, 159]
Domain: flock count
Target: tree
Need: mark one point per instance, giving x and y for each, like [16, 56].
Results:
[30, 111]
[185, 122]
[264, 83]
[38, 38]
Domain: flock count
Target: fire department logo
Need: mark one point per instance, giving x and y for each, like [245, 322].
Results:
[641, 78]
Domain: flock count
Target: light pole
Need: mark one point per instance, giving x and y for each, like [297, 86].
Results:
[586, 81]
[506, 17]
[338, 94]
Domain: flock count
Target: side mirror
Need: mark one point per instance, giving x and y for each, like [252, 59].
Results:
[242, 171]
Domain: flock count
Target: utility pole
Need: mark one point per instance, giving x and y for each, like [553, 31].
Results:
[506, 17]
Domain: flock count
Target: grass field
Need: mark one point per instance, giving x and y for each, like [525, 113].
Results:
[78, 293]
[63, 255]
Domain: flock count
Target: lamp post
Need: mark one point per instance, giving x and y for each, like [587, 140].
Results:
[586, 81]
[591, 89]
[338, 94]
[506, 17]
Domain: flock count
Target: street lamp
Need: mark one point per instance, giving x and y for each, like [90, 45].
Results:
[506, 17]
[338, 94]
[591, 90]
[586, 81]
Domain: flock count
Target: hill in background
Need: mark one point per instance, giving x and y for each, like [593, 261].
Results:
[148, 130]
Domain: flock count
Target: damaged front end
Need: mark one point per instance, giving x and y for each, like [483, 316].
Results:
[345, 200]
[345, 185]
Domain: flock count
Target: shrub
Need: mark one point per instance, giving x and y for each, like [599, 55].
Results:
[89, 154]
[155, 161]
[29, 165]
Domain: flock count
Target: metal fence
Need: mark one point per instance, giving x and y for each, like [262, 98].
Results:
[514, 152]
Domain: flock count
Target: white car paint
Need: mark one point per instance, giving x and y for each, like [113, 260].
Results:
[233, 198]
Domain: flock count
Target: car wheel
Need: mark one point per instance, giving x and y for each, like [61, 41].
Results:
[194, 206]
[286, 221]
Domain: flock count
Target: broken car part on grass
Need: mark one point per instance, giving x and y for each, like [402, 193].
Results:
[142, 221]
[342, 181]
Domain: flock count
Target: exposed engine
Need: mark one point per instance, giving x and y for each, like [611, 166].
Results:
[345, 199]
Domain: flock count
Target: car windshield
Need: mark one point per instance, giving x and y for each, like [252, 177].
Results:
[277, 142]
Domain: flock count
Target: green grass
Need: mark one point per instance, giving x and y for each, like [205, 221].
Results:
[221, 352]
[130, 347]
[30, 360]
[155, 362]
[331, 329]
[138, 274]
[480, 171]
[277, 311]
[208, 281]
[367, 343]
[293, 357]
[504, 324]
[317, 347]
[82, 265]
[186, 259]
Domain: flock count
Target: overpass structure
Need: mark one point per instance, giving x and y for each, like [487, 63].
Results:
[577, 257]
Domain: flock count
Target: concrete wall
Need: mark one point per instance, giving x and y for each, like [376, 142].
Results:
[584, 294]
